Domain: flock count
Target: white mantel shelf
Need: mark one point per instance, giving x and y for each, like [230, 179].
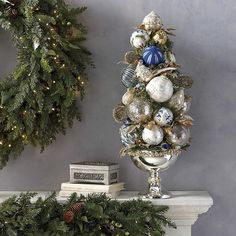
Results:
[185, 207]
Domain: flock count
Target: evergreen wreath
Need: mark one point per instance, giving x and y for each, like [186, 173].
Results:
[38, 100]
[85, 216]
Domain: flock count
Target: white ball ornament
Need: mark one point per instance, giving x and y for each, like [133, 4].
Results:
[152, 134]
[139, 38]
[164, 117]
[128, 97]
[152, 22]
[160, 88]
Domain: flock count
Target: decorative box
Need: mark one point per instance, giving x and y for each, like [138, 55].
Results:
[94, 172]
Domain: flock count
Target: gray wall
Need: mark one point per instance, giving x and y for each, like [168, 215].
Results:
[205, 46]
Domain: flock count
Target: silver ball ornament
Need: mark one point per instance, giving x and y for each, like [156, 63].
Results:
[179, 135]
[139, 38]
[163, 117]
[152, 135]
[139, 110]
[160, 88]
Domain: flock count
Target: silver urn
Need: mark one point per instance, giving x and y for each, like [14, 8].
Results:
[155, 162]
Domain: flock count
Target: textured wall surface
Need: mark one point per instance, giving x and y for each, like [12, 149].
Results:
[205, 46]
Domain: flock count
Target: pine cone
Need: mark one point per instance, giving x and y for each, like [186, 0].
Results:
[68, 216]
[76, 207]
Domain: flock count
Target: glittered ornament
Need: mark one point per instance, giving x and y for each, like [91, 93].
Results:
[177, 100]
[179, 135]
[68, 216]
[128, 76]
[119, 113]
[182, 81]
[128, 135]
[160, 37]
[170, 57]
[143, 73]
[139, 38]
[131, 57]
[152, 22]
[160, 88]
[163, 117]
[152, 134]
[128, 97]
[187, 104]
[152, 56]
[139, 110]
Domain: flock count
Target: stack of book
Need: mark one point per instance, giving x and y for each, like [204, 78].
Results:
[111, 190]
[92, 177]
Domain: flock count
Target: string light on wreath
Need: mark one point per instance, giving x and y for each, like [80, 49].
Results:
[48, 66]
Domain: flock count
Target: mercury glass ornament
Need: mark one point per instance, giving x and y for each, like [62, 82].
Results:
[152, 134]
[177, 100]
[128, 135]
[143, 73]
[128, 76]
[160, 88]
[163, 117]
[152, 22]
[139, 38]
[160, 37]
[178, 135]
[128, 97]
[187, 104]
[119, 113]
[139, 110]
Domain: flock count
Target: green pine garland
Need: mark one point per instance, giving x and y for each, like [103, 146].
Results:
[38, 100]
[99, 215]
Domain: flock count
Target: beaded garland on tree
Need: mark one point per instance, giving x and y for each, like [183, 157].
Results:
[38, 100]
[156, 105]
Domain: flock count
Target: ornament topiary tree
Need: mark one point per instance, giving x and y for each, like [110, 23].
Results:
[154, 107]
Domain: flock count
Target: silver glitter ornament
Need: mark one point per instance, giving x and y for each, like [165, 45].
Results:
[143, 73]
[152, 134]
[160, 88]
[177, 100]
[152, 22]
[178, 135]
[163, 117]
[139, 110]
[128, 135]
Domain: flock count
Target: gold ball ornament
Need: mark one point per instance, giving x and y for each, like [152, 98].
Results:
[160, 37]
[139, 110]
[128, 97]
[119, 113]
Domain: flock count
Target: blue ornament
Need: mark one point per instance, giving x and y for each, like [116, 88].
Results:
[128, 76]
[128, 135]
[165, 146]
[152, 56]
